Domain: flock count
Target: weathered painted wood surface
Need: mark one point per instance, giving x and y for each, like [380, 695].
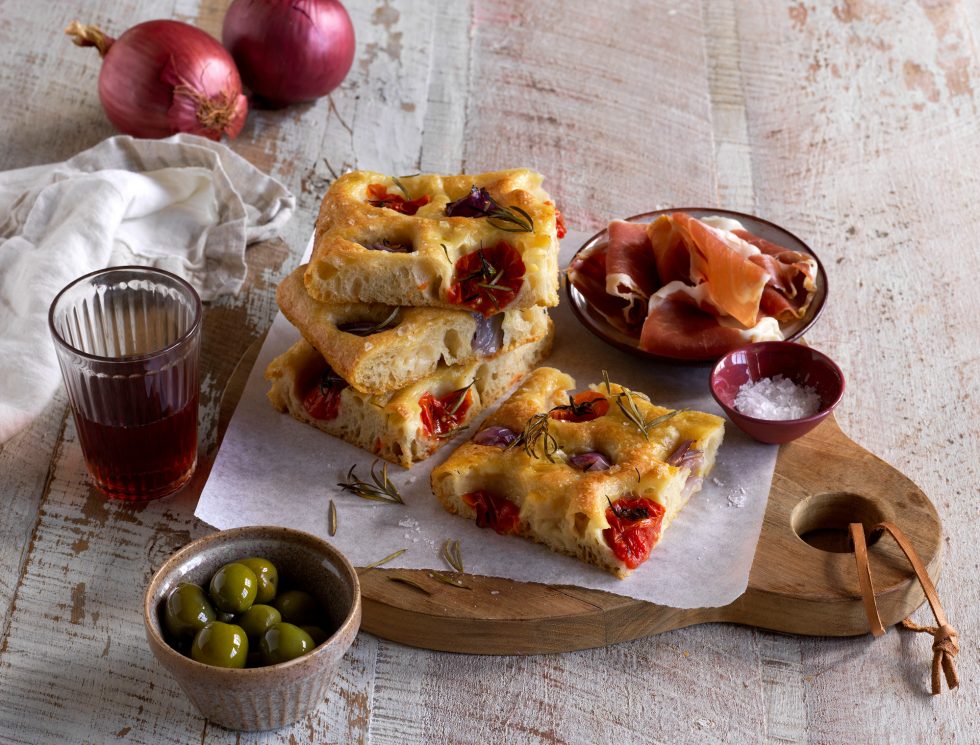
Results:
[853, 123]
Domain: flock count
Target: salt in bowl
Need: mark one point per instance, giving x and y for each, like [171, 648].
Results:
[803, 365]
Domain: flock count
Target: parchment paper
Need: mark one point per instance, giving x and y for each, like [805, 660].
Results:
[272, 470]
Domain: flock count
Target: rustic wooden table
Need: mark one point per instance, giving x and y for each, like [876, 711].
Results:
[852, 123]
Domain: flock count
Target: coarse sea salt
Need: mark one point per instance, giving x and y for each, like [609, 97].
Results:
[777, 398]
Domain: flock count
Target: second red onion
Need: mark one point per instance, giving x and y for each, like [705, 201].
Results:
[290, 50]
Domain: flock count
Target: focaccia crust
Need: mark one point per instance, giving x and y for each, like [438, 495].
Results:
[411, 346]
[389, 425]
[562, 506]
[344, 269]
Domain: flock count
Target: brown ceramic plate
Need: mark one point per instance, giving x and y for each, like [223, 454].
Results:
[599, 326]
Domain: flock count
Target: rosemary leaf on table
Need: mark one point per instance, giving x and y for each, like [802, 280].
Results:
[382, 490]
[385, 560]
[452, 555]
[448, 579]
[410, 583]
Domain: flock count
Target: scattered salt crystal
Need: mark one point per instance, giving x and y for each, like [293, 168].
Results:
[408, 523]
[368, 346]
[494, 592]
[736, 497]
[777, 398]
[717, 481]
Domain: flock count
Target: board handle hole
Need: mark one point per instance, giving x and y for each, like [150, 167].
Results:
[822, 520]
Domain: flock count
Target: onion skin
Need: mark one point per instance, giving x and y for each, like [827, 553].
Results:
[289, 51]
[495, 435]
[164, 77]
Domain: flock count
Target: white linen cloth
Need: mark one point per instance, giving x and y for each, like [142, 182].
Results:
[184, 204]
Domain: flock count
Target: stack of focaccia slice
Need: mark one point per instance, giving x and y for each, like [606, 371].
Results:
[425, 300]
[599, 475]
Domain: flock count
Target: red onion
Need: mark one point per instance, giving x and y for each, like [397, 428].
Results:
[496, 435]
[592, 460]
[488, 337]
[290, 50]
[164, 77]
[684, 455]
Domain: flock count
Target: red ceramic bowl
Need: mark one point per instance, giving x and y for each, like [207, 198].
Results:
[799, 363]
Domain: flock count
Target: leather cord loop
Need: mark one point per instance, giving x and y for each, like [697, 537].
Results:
[945, 643]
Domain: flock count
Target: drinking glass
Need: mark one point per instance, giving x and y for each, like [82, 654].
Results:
[128, 340]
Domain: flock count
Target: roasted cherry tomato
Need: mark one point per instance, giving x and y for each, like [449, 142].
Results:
[488, 279]
[583, 407]
[322, 401]
[493, 511]
[440, 416]
[378, 196]
[634, 528]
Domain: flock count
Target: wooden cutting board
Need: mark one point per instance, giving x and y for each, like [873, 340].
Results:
[803, 578]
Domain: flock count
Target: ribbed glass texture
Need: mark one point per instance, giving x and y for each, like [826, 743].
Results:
[128, 340]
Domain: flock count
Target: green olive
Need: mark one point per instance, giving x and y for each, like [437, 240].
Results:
[233, 588]
[298, 607]
[257, 619]
[220, 644]
[187, 611]
[268, 576]
[283, 642]
[318, 635]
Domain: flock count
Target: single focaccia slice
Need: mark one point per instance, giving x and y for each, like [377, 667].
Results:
[484, 242]
[404, 426]
[379, 348]
[598, 475]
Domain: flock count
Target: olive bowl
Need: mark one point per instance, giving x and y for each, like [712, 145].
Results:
[268, 697]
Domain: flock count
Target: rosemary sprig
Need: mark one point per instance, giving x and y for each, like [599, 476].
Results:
[385, 560]
[537, 430]
[446, 251]
[332, 519]
[398, 184]
[462, 397]
[509, 219]
[605, 379]
[451, 433]
[627, 405]
[411, 583]
[644, 426]
[357, 329]
[380, 326]
[452, 554]
[382, 490]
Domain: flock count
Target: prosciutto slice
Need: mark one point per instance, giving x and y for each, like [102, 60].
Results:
[587, 273]
[671, 254]
[792, 277]
[721, 259]
[683, 323]
[631, 272]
